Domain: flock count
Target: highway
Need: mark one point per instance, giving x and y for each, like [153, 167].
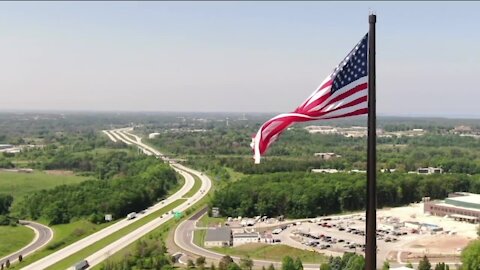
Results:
[87, 241]
[43, 235]
[104, 253]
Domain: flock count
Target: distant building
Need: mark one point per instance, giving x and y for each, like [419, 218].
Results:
[358, 171]
[327, 156]
[218, 237]
[324, 170]
[461, 206]
[153, 135]
[245, 238]
[462, 129]
[5, 146]
[429, 170]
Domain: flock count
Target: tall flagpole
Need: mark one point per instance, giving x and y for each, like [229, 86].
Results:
[371, 216]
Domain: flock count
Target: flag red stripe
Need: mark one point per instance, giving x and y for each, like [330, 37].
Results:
[288, 120]
[349, 100]
[316, 102]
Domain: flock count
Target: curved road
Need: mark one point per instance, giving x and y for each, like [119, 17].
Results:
[183, 238]
[112, 248]
[43, 235]
[85, 242]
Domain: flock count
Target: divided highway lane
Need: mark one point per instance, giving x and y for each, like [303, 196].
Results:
[43, 235]
[87, 241]
[116, 246]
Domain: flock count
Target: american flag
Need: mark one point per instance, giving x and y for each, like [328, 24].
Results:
[343, 93]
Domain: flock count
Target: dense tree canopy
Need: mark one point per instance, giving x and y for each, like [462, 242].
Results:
[300, 195]
[5, 203]
[146, 182]
[471, 256]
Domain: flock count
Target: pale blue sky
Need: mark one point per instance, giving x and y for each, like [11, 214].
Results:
[233, 56]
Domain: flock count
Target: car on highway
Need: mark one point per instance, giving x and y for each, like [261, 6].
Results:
[83, 264]
[131, 215]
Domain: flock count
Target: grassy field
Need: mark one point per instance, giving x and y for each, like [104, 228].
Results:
[234, 175]
[195, 188]
[207, 221]
[19, 184]
[271, 252]
[63, 235]
[14, 238]
[69, 261]
[118, 234]
[199, 237]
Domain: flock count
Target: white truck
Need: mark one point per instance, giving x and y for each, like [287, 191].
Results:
[132, 215]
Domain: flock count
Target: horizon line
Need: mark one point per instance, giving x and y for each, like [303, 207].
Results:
[61, 111]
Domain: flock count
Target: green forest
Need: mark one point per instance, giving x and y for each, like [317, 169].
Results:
[300, 195]
[121, 179]
[147, 182]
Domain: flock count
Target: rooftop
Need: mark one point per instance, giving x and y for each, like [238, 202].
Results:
[246, 235]
[468, 198]
[219, 234]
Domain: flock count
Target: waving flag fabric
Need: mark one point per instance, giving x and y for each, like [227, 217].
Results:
[343, 93]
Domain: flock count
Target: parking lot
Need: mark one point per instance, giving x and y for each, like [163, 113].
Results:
[438, 237]
[336, 235]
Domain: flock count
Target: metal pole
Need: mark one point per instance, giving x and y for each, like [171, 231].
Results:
[371, 216]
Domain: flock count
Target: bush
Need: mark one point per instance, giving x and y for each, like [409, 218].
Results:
[55, 245]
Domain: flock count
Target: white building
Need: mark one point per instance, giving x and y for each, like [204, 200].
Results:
[326, 156]
[153, 135]
[324, 170]
[429, 170]
[218, 237]
[245, 238]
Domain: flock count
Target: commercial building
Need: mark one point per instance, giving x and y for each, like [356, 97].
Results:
[429, 170]
[462, 206]
[218, 237]
[327, 156]
[245, 238]
[324, 171]
[153, 135]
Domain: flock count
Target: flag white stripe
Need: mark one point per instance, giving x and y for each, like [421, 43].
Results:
[311, 98]
[346, 100]
[339, 92]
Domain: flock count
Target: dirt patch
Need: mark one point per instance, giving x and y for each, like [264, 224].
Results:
[59, 172]
[441, 244]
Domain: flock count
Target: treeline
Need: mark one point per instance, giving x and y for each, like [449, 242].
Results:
[276, 164]
[147, 254]
[102, 165]
[300, 195]
[146, 182]
[5, 203]
[455, 154]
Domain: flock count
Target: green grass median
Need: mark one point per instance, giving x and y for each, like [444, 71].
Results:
[82, 254]
[164, 229]
[196, 187]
